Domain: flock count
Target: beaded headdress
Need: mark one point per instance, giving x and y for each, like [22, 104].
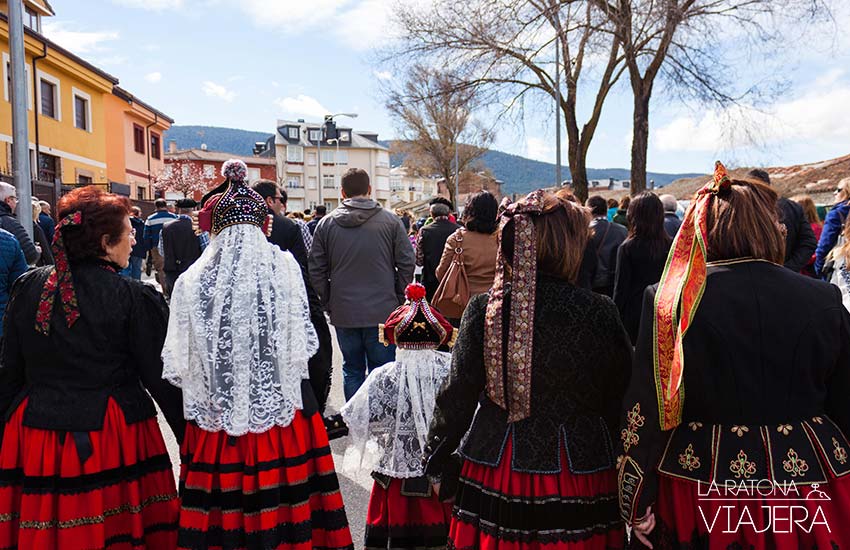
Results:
[233, 202]
[416, 325]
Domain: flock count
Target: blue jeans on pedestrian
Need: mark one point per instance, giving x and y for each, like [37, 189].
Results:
[134, 269]
[360, 349]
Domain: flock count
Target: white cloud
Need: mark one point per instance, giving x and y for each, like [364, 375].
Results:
[301, 105]
[154, 77]
[383, 75]
[815, 116]
[217, 90]
[540, 149]
[79, 42]
[359, 24]
[152, 5]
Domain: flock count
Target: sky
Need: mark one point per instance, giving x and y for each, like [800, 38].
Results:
[247, 63]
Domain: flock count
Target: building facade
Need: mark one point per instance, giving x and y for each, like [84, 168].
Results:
[309, 166]
[65, 100]
[469, 184]
[209, 165]
[406, 188]
[134, 147]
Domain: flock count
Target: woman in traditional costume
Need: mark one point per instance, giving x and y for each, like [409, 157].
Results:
[717, 454]
[388, 421]
[256, 471]
[537, 380]
[83, 463]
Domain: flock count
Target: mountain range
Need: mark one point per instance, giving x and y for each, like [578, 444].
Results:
[521, 175]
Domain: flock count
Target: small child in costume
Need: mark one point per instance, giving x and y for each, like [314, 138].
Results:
[388, 422]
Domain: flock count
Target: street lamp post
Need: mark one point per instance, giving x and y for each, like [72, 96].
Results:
[338, 182]
[330, 118]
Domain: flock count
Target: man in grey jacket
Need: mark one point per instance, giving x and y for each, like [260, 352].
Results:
[360, 263]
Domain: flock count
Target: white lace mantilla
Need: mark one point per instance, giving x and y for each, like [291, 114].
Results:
[389, 415]
[239, 335]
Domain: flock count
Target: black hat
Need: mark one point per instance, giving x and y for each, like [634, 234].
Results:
[186, 203]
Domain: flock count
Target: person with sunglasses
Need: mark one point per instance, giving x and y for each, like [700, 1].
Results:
[833, 224]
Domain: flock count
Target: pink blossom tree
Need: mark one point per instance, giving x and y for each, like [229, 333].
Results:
[182, 176]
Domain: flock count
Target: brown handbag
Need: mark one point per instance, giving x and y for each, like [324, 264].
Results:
[452, 295]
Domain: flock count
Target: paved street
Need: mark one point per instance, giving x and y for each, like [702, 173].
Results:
[355, 489]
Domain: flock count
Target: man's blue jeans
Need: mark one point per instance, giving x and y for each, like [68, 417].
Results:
[134, 269]
[360, 349]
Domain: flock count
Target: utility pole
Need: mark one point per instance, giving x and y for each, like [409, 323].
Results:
[558, 110]
[457, 177]
[20, 123]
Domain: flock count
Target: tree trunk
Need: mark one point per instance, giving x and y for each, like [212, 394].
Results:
[640, 139]
[578, 171]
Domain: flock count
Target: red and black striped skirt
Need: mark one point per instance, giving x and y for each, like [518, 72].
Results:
[402, 517]
[121, 497]
[497, 508]
[277, 489]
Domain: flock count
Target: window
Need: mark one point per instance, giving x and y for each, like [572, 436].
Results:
[82, 109]
[140, 193]
[315, 135]
[311, 182]
[84, 180]
[327, 181]
[293, 182]
[342, 157]
[31, 19]
[209, 171]
[311, 159]
[328, 156]
[294, 153]
[184, 169]
[48, 168]
[48, 99]
[292, 132]
[138, 139]
[383, 159]
[345, 136]
[253, 174]
[396, 183]
[7, 80]
[156, 150]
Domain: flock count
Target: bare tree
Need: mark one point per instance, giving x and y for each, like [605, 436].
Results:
[506, 49]
[690, 45]
[434, 118]
[182, 176]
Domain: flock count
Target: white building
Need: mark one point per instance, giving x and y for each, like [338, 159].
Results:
[299, 168]
[406, 188]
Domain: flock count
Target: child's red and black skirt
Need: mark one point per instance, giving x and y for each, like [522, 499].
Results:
[276, 489]
[121, 496]
[406, 514]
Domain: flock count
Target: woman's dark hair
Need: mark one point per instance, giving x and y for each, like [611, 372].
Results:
[562, 233]
[480, 212]
[102, 214]
[646, 222]
[743, 222]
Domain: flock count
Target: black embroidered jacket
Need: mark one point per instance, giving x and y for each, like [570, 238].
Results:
[767, 380]
[112, 351]
[580, 370]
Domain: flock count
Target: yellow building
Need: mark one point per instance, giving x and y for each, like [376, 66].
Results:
[134, 149]
[66, 106]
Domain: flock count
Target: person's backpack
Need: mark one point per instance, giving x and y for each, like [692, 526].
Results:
[604, 275]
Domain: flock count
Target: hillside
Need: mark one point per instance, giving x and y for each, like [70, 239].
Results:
[816, 179]
[520, 174]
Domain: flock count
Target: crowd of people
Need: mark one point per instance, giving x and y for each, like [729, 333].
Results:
[530, 393]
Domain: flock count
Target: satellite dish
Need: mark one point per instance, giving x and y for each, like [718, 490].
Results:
[203, 147]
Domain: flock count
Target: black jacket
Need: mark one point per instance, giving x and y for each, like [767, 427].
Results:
[580, 369]
[10, 223]
[180, 246]
[140, 250]
[287, 236]
[766, 377]
[607, 238]
[672, 223]
[637, 268]
[800, 241]
[112, 351]
[46, 257]
[432, 241]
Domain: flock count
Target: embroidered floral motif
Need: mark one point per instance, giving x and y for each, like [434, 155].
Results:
[740, 430]
[795, 465]
[817, 420]
[59, 281]
[517, 399]
[688, 460]
[742, 466]
[839, 452]
[695, 425]
[785, 429]
[629, 435]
